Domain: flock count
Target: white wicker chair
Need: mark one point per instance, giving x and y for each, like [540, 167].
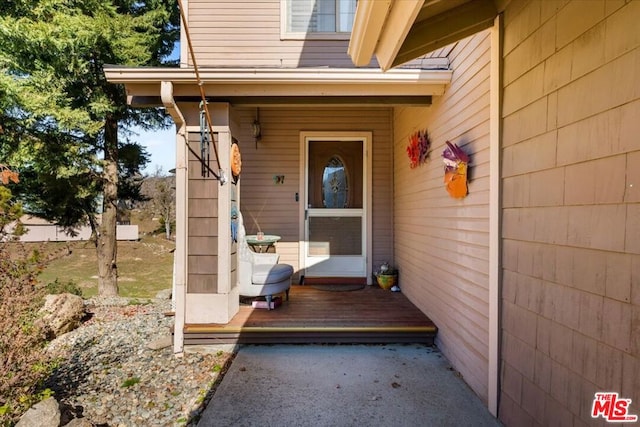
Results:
[260, 274]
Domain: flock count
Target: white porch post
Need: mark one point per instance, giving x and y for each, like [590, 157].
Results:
[180, 255]
[495, 134]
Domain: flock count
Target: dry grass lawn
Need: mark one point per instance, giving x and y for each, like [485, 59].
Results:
[144, 267]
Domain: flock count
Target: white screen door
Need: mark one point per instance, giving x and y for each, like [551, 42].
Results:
[335, 201]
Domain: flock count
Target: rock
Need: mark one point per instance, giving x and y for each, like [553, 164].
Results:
[160, 343]
[62, 313]
[43, 414]
[79, 422]
[164, 294]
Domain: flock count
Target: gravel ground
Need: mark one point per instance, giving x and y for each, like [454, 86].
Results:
[109, 376]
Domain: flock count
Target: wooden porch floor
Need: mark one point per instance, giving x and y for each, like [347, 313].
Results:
[369, 315]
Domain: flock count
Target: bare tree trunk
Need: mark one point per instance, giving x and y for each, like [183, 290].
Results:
[167, 224]
[106, 247]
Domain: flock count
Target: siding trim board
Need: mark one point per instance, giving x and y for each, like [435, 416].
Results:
[495, 124]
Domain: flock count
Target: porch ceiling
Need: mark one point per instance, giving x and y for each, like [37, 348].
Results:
[397, 31]
[311, 86]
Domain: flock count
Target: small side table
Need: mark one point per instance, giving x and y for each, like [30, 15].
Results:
[263, 244]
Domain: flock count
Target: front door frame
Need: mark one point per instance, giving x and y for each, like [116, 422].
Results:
[367, 162]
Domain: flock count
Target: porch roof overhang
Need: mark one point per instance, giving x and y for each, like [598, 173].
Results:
[397, 31]
[263, 86]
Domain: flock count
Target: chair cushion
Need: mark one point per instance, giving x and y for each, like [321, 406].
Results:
[264, 274]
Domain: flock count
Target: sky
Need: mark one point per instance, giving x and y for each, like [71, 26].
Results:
[161, 145]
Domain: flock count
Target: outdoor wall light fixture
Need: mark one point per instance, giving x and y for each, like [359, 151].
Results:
[256, 129]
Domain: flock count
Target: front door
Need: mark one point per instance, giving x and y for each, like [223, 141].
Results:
[336, 225]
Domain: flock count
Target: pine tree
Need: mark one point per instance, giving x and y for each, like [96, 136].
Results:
[63, 125]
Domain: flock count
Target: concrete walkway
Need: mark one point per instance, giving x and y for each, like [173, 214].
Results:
[343, 385]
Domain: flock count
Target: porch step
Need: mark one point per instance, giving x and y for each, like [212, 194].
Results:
[203, 334]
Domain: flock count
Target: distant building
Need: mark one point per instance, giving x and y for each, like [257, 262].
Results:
[41, 230]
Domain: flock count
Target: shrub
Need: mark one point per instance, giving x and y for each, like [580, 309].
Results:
[129, 382]
[23, 362]
[57, 287]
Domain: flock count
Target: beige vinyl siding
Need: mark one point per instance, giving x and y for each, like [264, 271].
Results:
[272, 207]
[202, 225]
[247, 34]
[571, 209]
[441, 243]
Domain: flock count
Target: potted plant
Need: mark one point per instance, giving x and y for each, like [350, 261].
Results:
[387, 277]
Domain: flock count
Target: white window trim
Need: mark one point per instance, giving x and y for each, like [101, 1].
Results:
[290, 35]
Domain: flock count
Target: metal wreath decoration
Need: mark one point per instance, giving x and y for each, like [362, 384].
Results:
[236, 161]
[418, 148]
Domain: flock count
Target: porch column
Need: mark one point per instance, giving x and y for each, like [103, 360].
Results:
[211, 295]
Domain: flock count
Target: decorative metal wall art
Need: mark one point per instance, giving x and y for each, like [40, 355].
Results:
[456, 163]
[418, 148]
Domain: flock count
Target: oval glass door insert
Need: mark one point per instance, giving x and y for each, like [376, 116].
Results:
[335, 187]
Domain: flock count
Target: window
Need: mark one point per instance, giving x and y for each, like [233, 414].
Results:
[335, 187]
[319, 19]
